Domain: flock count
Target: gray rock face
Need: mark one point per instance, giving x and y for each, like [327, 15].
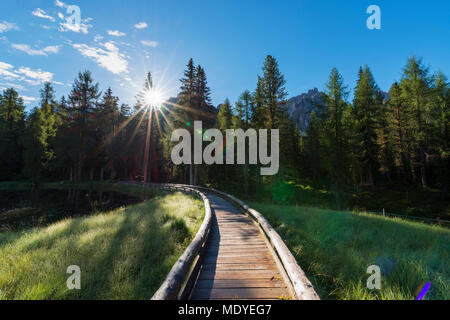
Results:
[300, 108]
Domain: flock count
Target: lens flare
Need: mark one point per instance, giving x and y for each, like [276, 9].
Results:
[153, 98]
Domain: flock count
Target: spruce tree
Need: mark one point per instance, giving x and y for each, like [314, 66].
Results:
[365, 113]
[332, 110]
[12, 123]
[415, 85]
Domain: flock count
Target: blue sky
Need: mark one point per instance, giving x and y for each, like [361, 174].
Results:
[119, 41]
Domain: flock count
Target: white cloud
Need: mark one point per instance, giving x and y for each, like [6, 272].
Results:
[60, 4]
[5, 71]
[42, 14]
[36, 76]
[148, 43]
[27, 99]
[98, 38]
[116, 33]
[111, 59]
[31, 76]
[33, 52]
[6, 26]
[68, 26]
[13, 85]
[141, 25]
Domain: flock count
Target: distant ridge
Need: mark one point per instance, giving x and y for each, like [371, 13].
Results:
[300, 107]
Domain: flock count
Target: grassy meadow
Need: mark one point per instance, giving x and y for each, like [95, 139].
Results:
[335, 248]
[123, 254]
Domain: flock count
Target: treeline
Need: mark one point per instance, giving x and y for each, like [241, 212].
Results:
[402, 139]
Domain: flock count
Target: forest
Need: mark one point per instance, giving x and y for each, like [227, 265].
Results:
[375, 143]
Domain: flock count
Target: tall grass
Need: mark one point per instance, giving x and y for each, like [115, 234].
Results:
[335, 248]
[123, 254]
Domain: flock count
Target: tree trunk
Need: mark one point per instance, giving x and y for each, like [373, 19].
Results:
[191, 174]
[423, 174]
[246, 180]
[195, 174]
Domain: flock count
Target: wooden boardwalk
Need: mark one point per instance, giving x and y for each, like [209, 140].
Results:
[237, 263]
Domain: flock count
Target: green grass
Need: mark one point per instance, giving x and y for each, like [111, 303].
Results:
[335, 248]
[123, 254]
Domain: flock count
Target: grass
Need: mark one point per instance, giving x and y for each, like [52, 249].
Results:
[335, 249]
[417, 202]
[123, 254]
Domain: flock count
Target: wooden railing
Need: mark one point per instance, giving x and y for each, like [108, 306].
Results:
[181, 277]
[303, 288]
[179, 281]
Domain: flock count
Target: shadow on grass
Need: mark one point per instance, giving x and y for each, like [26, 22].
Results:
[336, 248]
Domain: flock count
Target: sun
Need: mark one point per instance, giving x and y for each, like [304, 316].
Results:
[153, 98]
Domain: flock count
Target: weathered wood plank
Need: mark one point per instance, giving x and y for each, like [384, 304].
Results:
[241, 283]
[238, 274]
[238, 293]
[237, 264]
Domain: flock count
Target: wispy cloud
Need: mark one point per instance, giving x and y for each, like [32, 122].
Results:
[6, 26]
[35, 76]
[12, 85]
[109, 58]
[27, 99]
[148, 43]
[6, 71]
[36, 52]
[60, 4]
[42, 14]
[141, 25]
[68, 24]
[24, 74]
[116, 33]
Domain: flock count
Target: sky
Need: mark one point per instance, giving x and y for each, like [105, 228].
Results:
[120, 41]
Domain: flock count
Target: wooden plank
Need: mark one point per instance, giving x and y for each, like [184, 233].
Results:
[241, 283]
[239, 293]
[253, 274]
[237, 260]
[239, 266]
[237, 263]
[237, 254]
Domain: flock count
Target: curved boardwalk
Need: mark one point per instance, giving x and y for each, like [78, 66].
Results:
[237, 263]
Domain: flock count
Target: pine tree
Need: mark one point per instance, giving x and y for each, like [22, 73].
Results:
[83, 101]
[12, 123]
[398, 124]
[441, 112]
[415, 85]
[313, 147]
[274, 93]
[225, 116]
[244, 107]
[334, 135]
[203, 92]
[35, 142]
[50, 124]
[365, 114]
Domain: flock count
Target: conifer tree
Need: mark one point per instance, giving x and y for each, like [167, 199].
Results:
[415, 85]
[365, 112]
[332, 110]
[12, 123]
